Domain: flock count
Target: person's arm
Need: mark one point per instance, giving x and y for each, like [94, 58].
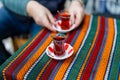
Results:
[16, 6]
[33, 9]
[40, 14]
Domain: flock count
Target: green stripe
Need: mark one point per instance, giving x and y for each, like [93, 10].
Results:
[114, 73]
[35, 71]
[84, 51]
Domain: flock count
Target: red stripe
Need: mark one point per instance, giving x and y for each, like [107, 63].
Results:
[94, 54]
[71, 36]
[24, 55]
[53, 63]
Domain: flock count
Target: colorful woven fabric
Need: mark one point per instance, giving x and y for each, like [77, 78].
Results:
[96, 54]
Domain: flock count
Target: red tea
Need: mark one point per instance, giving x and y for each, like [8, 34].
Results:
[59, 45]
[65, 20]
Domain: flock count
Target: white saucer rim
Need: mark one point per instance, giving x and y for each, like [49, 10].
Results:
[59, 57]
[63, 31]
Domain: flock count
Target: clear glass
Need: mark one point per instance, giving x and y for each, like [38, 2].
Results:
[59, 41]
[65, 20]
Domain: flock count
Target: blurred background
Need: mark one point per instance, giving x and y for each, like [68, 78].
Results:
[108, 8]
[12, 44]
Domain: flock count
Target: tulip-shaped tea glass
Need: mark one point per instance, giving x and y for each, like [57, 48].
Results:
[65, 20]
[59, 41]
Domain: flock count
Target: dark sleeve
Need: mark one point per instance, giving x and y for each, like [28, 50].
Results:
[53, 5]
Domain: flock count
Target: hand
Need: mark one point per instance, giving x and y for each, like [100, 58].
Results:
[77, 12]
[40, 14]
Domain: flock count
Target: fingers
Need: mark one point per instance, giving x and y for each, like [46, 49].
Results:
[78, 19]
[72, 19]
[51, 18]
[75, 19]
[77, 13]
[48, 22]
[43, 17]
[51, 21]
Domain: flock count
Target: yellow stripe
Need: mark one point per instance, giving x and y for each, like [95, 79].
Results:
[82, 68]
[106, 52]
[3, 72]
[34, 57]
[67, 62]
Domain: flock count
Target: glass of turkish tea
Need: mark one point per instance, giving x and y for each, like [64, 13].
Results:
[65, 20]
[59, 40]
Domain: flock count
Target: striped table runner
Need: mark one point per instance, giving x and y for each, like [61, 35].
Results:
[96, 54]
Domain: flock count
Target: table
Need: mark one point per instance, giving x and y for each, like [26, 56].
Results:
[96, 54]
